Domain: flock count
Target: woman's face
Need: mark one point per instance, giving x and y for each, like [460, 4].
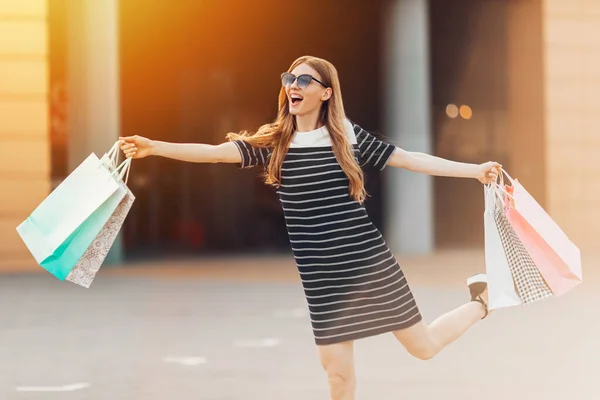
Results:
[303, 101]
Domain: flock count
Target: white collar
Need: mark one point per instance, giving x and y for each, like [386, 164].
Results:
[320, 137]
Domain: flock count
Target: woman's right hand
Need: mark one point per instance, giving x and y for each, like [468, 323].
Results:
[136, 146]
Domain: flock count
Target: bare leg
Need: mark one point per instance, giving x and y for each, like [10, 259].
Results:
[338, 362]
[425, 341]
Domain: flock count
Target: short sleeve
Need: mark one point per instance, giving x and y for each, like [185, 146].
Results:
[252, 156]
[373, 152]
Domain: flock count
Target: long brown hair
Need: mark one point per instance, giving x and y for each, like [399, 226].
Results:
[278, 134]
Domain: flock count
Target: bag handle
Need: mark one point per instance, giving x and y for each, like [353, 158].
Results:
[499, 189]
[510, 179]
[113, 153]
[500, 186]
[502, 189]
[124, 167]
[123, 170]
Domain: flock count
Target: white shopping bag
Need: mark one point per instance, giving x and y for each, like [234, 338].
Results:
[501, 288]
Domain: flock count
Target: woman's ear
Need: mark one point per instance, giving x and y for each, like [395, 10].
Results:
[327, 94]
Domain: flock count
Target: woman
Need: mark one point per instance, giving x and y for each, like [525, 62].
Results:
[314, 156]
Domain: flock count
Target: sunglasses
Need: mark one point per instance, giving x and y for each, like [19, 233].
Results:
[304, 80]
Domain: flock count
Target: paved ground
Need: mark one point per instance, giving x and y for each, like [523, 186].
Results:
[237, 329]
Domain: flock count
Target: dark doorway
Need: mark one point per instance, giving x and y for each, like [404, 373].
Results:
[468, 69]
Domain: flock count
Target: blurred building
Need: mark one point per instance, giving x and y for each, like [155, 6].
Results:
[24, 121]
[470, 80]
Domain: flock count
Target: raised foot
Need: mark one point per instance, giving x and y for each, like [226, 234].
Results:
[479, 291]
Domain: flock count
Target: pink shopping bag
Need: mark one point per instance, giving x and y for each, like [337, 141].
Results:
[556, 257]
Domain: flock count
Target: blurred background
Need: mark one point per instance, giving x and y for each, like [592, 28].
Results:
[470, 80]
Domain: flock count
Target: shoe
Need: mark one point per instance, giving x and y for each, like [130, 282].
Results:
[477, 286]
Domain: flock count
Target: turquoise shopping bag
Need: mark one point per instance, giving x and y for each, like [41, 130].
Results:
[62, 261]
[60, 229]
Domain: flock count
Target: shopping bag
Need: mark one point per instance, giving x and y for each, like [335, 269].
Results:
[502, 292]
[84, 272]
[528, 280]
[557, 258]
[60, 229]
[64, 259]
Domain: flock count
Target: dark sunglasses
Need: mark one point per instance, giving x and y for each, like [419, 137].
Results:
[304, 80]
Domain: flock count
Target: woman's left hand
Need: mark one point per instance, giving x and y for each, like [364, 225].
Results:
[488, 172]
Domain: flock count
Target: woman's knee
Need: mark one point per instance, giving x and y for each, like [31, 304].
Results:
[423, 351]
[338, 362]
[418, 342]
[341, 382]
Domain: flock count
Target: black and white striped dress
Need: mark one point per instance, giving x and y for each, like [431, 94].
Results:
[353, 284]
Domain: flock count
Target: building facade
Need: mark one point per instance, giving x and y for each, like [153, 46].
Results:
[24, 122]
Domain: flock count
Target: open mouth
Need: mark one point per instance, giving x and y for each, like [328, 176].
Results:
[296, 99]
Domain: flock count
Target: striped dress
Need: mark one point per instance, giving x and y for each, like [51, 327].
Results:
[354, 286]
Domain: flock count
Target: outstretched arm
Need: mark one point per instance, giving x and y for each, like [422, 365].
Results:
[432, 165]
[140, 147]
